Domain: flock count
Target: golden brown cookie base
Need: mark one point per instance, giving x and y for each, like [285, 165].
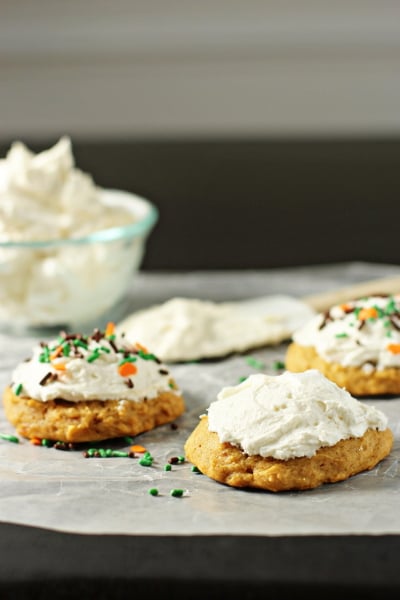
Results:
[89, 421]
[228, 464]
[354, 379]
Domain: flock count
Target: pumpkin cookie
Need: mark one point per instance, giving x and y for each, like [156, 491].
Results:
[356, 345]
[288, 432]
[82, 388]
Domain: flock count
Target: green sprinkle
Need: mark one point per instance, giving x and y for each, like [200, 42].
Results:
[177, 493]
[119, 453]
[153, 492]
[342, 335]
[9, 438]
[146, 462]
[278, 365]
[243, 378]
[167, 467]
[129, 440]
[181, 459]
[128, 359]
[94, 356]
[391, 306]
[110, 337]
[18, 389]
[195, 469]
[91, 451]
[146, 355]
[66, 349]
[102, 452]
[80, 344]
[46, 442]
[105, 349]
[44, 357]
[109, 452]
[253, 362]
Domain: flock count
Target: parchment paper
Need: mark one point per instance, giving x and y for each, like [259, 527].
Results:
[63, 490]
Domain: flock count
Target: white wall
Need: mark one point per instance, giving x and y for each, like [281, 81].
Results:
[119, 68]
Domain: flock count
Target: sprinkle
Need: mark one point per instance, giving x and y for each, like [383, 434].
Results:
[110, 329]
[120, 454]
[128, 439]
[342, 335]
[141, 347]
[56, 353]
[94, 356]
[243, 378]
[173, 460]
[167, 467]
[46, 442]
[127, 368]
[80, 344]
[48, 378]
[253, 362]
[177, 493]
[153, 492]
[181, 459]
[9, 438]
[18, 389]
[137, 448]
[393, 348]
[163, 371]
[195, 469]
[147, 356]
[278, 365]
[146, 462]
[128, 382]
[367, 313]
[36, 441]
[63, 446]
[59, 366]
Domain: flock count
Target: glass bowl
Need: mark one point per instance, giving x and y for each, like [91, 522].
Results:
[73, 284]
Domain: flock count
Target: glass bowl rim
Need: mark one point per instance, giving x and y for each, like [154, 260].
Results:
[140, 227]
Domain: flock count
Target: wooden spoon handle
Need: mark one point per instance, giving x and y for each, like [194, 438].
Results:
[323, 301]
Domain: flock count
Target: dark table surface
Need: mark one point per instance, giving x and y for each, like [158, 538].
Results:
[38, 563]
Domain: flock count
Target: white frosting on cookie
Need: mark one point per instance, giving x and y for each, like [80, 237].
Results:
[362, 332]
[183, 329]
[89, 368]
[289, 415]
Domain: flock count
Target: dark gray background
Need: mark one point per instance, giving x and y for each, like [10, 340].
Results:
[242, 203]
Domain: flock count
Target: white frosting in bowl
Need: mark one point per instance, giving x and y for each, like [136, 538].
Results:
[68, 248]
[361, 333]
[289, 415]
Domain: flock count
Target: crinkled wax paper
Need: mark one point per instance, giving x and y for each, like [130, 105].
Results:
[63, 490]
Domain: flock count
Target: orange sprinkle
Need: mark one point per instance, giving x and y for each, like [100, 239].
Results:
[393, 348]
[56, 352]
[140, 347]
[137, 448]
[126, 369]
[59, 366]
[367, 313]
[36, 441]
[110, 329]
[346, 307]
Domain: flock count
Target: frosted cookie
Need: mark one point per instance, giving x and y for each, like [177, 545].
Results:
[293, 431]
[82, 388]
[184, 329]
[356, 345]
